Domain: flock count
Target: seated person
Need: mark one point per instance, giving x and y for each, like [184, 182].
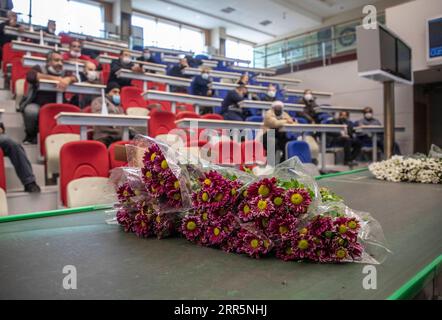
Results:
[346, 139]
[270, 95]
[244, 79]
[147, 56]
[365, 139]
[201, 83]
[11, 22]
[275, 118]
[108, 135]
[31, 103]
[230, 108]
[19, 160]
[177, 71]
[75, 53]
[124, 62]
[50, 28]
[89, 75]
[312, 109]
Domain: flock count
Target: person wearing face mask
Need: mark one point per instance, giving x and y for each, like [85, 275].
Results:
[89, 75]
[178, 71]
[108, 135]
[34, 99]
[147, 56]
[230, 107]
[346, 139]
[11, 22]
[75, 53]
[124, 62]
[312, 109]
[200, 84]
[365, 139]
[50, 28]
[270, 95]
[275, 118]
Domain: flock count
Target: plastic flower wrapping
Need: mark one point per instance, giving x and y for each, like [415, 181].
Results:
[283, 214]
[417, 168]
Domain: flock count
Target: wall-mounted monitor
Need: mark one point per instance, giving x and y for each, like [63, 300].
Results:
[434, 41]
[383, 56]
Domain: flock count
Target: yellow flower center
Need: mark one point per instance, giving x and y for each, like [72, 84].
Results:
[342, 229]
[289, 250]
[176, 184]
[137, 192]
[207, 182]
[219, 197]
[254, 243]
[164, 165]
[341, 254]
[191, 225]
[296, 199]
[266, 243]
[205, 197]
[245, 193]
[233, 192]
[341, 242]
[265, 222]
[125, 193]
[153, 189]
[246, 209]
[226, 229]
[176, 196]
[158, 219]
[143, 224]
[205, 216]
[352, 224]
[153, 156]
[216, 231]
[303, 231]
[303, 244]
[162, 182]
[277, 201]
[263, 190]
[148, 174]
[283, 229]
[262, 204]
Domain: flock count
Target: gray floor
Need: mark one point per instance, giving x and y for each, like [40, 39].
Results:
[114, 265]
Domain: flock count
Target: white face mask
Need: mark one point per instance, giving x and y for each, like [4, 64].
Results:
[308, 97]
[52, 71]
[126, 60]
[51, 30]
[75, 54]
[205, 76]
[368, 116]
[92, 76]
[147, 56]
[271, 94]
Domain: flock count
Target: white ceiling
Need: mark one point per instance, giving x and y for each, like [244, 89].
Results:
[244, 23]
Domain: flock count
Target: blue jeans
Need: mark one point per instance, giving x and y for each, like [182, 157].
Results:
[30, 118]
[20, 161]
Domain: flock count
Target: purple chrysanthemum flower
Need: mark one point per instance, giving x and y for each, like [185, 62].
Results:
[297, 201]
[191, 227]
[285, 251]
[283, 227]
[142, 225]
[253, 244]
[261, 207]
[319, 225]
[347, 228]
[125, 192]
[263, 188]
[304, 247]
[125, 219]
[245, 211]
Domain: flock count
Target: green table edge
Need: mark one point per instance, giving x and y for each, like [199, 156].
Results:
[406, 291]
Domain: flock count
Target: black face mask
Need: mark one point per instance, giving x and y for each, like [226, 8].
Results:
[278, 113]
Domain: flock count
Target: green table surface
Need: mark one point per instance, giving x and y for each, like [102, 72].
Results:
[112, 264]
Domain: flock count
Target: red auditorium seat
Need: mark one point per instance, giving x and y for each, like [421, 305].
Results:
[18, 71]
[80, 159]
[2, 172]
[131, 97]
[253, 152]
[228, 153]
[9, 55]
[161, 122]
[105, 73]
[187, 114]
[87, 109]
[48, 125]
[212, 116]
[112, 161]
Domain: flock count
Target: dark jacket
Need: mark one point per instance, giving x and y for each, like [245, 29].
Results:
[177, 71]
[115, 66]
[200, 86]
[40, 97]
[5, 38]
[231, 100]
[350, 128]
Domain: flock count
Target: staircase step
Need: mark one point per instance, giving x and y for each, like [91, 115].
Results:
[8, 105]
[4, 94]
[22, 202]
[15, 133]
[33, 152]
[12, 181]
[12, 119]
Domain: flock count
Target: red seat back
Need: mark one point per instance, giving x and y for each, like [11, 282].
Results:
[229, 153]
[18, 71]
[2, 172]
[112, 161]
[48, 124]
[80, 159]
[9, 54]
[252, 152]
[131, 97]
[212, 116]
[105, 73]
[161, 122]
[187, 114]
[87, 109]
